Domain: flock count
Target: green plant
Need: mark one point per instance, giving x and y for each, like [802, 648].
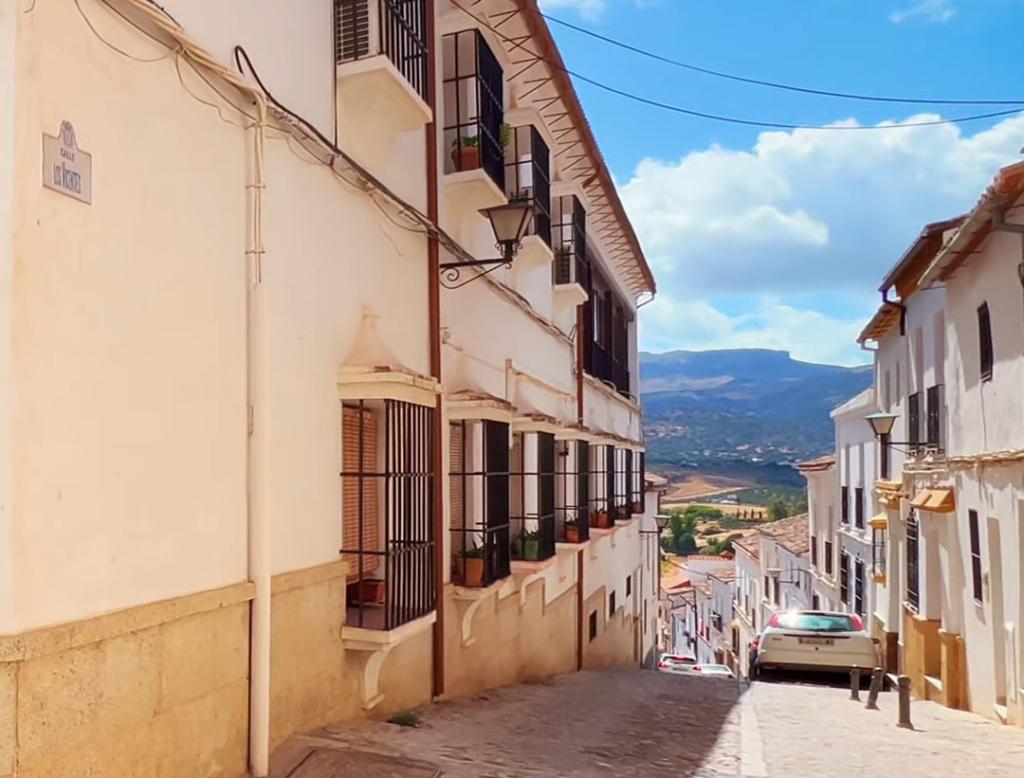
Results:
[467, 142]
[406, 718]
[504, 134]
[476, 552]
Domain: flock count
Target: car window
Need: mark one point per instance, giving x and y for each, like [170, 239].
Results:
[816, 622]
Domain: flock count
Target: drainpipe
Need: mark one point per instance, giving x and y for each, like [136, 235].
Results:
[580, 346]
[434, 302]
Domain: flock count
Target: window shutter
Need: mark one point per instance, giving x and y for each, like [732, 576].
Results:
[359, 434]
[352, 29]
[985, 351]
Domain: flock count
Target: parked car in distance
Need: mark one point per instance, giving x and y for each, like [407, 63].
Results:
[815, 640]
[713, 671]
[670, 662]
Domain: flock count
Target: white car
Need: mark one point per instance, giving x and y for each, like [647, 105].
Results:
[700, 670]
[815, 640]
[671, 663]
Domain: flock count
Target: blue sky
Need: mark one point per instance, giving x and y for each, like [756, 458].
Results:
[780, 238]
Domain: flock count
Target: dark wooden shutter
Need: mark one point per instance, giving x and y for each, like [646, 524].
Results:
[985, 350]
[352, 29]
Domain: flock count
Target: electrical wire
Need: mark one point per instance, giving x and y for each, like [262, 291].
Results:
[719, 117]
[118, 49]
[770, 84]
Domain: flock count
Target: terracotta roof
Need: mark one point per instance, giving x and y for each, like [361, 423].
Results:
[704, 558]
[750, 544]
[906, 273]
[826, 462]
[703, 587]
[1007, 186]
[724, 574]
[598, 184]
[789, 533]
[655, 480]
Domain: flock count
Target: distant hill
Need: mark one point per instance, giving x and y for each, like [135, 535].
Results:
[740, 407]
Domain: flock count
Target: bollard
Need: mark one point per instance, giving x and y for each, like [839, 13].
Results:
[876, 686]
[903, 682]
[855, 684]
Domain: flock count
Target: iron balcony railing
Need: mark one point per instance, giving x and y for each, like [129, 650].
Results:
[528, 177]
[569, 222]
[394, 28]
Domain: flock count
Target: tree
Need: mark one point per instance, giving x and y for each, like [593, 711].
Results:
[682, 526]
[778, 509]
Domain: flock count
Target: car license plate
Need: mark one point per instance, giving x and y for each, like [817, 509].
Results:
[817, 642]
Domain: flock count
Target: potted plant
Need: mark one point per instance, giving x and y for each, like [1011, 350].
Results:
[369, 591]
[466, 152]
[572, 531]
[600, 519]
[531, 545]
[504, 135]
[473, 566]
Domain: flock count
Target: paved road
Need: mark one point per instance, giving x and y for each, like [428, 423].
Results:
[652, 724]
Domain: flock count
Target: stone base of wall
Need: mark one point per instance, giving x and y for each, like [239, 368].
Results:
[160, 689]
[922, 656]
[317, 680]
[953, 670]
[505, 636]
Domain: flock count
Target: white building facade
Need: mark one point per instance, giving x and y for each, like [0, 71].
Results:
[268, 462]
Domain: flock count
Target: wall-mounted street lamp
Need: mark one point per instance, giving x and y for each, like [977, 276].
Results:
[508, 222]
[881, 426]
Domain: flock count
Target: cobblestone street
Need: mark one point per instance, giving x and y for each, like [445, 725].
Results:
[652, 724]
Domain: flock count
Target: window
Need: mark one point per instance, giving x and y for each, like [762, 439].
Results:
[858, 508]
[878, 551]
[844, 578]
[816, 622]
[814, 551]
[527, 177]
[532, 519]
[914, 419]
[985, 352]
[572, 493]
[387, 524]
[933, 423]
[399, 32]
[599, 491]
[570, 242]
[474, 106]
[623, 459]
[611, 605]
[913, 572]
[593, 624]
[976, 577]
[828, 557]
[629, 585]
[858, 588]
[815, 602]
[478, 483]
[844, 507]
[884, 455]
[606, 339]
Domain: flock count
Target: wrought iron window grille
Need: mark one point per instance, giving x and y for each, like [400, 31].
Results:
[473, 93]
[387, 488]
[623, 466]
[394, 28]
[478, 481]
[913, 583]
[601, 476]
[878, 551]
[532, 519]
[528, 177]
[572, 493]
[569, 240]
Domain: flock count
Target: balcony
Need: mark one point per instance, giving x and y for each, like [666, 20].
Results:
[474, 132]
[572, 491]
[532, 519]
[571, 278]
[381, 52]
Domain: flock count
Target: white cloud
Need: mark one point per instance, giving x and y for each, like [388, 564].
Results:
[588, 9]
[669, 323]
[930, 10]
[801, 212]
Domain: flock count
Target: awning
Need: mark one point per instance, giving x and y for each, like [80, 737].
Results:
[934, 500]
[881, 521]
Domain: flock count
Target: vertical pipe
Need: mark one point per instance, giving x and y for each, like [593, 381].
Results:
[434, 301]
[579, 609]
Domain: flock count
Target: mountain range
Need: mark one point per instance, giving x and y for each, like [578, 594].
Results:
[741, 406]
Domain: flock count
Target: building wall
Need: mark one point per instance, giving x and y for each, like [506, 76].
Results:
[103, 359]
[160, 684]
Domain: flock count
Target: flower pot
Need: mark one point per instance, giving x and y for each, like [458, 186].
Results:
[466, 157]
[472, 571]
[368, 591]
[601, 520]
[531, 550]
[572, 533]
